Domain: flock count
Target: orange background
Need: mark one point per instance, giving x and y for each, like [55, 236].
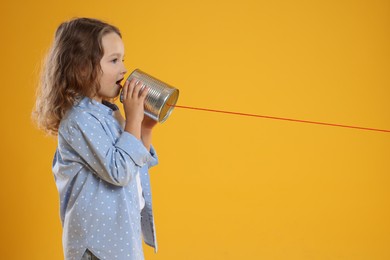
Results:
[227, 187]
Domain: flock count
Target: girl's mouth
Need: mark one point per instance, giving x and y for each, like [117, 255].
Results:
[119, 82]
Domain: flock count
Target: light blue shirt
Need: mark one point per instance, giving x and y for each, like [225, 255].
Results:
[95, 167]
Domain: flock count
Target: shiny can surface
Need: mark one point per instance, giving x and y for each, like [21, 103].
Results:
[161, 98]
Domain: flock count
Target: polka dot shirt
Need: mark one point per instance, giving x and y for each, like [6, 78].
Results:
[96, 168]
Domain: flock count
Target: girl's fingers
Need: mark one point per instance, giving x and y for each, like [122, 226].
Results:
[144, 93]
[137, 89]
[131, 88]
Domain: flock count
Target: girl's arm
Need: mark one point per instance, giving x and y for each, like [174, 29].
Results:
[146, 128]
[146, 131]
[116, 162]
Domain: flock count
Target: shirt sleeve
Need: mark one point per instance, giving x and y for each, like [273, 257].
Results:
[115, 161]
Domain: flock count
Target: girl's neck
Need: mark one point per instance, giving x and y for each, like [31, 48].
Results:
[98, 99]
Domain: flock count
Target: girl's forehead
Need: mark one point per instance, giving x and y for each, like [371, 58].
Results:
[112, 43]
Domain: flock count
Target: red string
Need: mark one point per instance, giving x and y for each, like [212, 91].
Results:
[281, 118]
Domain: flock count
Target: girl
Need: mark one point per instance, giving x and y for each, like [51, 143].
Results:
[100, 166]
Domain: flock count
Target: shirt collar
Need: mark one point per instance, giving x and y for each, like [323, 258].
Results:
[91, 104]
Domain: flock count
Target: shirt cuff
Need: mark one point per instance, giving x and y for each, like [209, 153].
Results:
[134, 148]
[154, 159]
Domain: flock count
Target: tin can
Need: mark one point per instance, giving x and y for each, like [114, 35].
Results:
[161, 97]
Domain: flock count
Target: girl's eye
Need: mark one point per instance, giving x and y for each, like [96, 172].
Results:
[114, 61]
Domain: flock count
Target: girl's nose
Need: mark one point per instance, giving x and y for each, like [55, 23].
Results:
[124, 70]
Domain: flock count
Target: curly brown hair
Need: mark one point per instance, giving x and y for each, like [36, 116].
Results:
[71, 70]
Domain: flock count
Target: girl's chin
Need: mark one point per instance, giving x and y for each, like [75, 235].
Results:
[115, 93]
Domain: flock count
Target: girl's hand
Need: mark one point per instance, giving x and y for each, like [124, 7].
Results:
[133, 104]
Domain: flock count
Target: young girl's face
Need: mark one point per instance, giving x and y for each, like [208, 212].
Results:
[113, 69]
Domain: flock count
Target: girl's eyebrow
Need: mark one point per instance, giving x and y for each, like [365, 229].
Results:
[116, 54]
